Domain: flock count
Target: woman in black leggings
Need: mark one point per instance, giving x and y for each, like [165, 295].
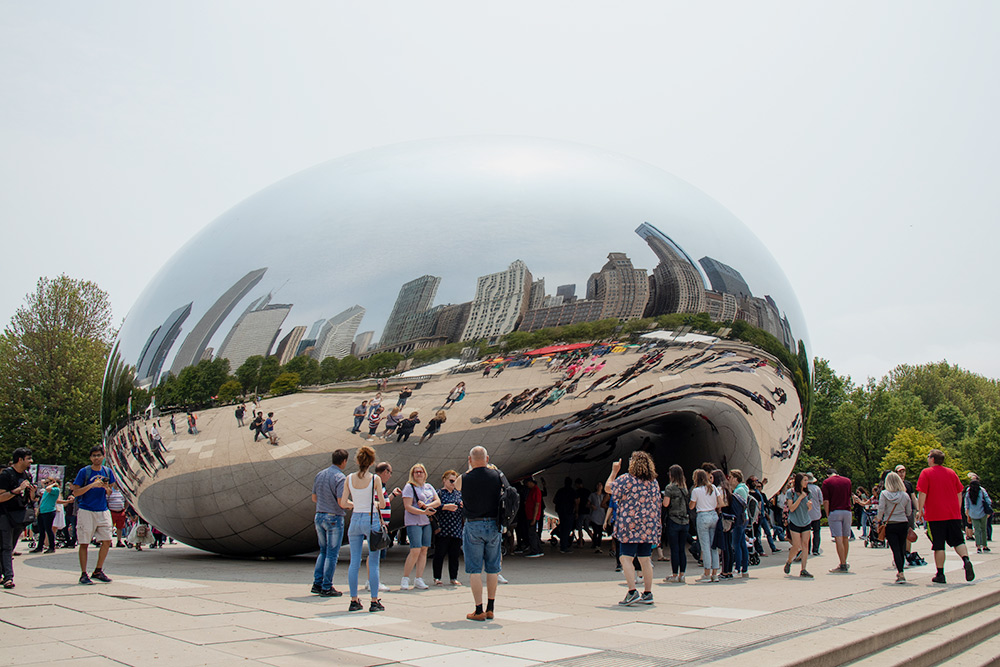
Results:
[895, 509]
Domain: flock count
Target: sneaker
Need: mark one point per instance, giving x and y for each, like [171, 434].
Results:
[618, 568]
[788, 568]
[598, 551]
[805, 574]
[355, 606]
[970, 574]
[376, 605]
[438, 582]
[419, 584]
[646, 598]
[8, 583]
[680, 579]
[382, 587]
[745, 575]
[715, 579]
[900, 578]
[535, 555]
[939, 579]
[986, 550]
[315, 589]
[84, 579]
[704, 579]
[631, 598]
[979, 550]
[456, 582]
[404, 584]
[501, 580]
[672, 579]
[100, 576]
[476, 616]
[330, 593]
[843, 567]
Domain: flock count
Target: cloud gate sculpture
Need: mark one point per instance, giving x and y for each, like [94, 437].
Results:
[689, 339]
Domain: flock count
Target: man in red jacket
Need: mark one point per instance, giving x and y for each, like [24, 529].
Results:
[939, 503]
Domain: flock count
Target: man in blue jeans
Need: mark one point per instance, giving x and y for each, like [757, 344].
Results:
[327, 488]
[480, 488]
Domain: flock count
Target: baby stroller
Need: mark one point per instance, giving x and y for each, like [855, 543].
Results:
[872, 539]
[748, 536]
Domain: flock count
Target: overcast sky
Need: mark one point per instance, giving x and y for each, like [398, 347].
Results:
[857, 140]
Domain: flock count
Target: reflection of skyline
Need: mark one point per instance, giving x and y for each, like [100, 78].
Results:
[160, 341]
[505, 301]
[194, 345]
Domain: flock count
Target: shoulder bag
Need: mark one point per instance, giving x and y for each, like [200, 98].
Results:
[377, 539]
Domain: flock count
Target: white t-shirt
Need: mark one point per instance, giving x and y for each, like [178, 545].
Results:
[706, 498]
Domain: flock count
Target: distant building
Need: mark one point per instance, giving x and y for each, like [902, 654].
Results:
[622, 288]
[537, 298]
[569, 313]
[160, 341]
[721, 307]
[306, 345]
[725, 278]
[553, 301]
[363, 342]
[408, 317]
[451, 320]
[679, 285]
[192, 350]
[254, 332]
[337, 335]
[567, 292]
[501, 299]
[289, 345]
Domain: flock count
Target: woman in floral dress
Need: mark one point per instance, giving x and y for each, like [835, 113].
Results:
[637, 527]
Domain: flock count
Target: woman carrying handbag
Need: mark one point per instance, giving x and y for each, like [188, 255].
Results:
[363, 494]
[894, 511]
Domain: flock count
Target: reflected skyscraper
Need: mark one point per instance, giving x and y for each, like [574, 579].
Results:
[501, 299]
[337, 335]
[288, 346]
[160, 341]
[254, 332]
[363, 342]
[567, 292]
[407, 319]
[676, 285]
[725, 278]
[193, 347]
[622, 288]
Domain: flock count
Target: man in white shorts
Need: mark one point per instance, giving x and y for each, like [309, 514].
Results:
[92, 487]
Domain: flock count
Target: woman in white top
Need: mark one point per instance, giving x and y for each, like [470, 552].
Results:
[363, 494]
[705, 499]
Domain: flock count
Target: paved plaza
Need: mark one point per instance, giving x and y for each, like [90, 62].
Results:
[180, 606]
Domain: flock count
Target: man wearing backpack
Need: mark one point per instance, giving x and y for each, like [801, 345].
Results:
[481, 488]
[16, 493]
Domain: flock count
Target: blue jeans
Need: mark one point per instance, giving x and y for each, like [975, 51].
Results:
[481, 546]
[706, 530]
[741, 555]
[330, 532]
[357, 424]
[677, 535]
[359, 530]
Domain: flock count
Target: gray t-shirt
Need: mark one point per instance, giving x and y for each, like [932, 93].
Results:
[815, 495]
[328, 486]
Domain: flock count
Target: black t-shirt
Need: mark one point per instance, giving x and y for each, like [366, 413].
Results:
[10, 479]
[481, 493]
[584, 497]
[909, 487]
[565, 500]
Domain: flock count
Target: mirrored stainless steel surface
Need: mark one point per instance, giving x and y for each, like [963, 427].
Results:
[408, 248]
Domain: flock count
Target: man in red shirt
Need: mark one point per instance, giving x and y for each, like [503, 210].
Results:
[939, 504]
[533, 512]
[837, 504]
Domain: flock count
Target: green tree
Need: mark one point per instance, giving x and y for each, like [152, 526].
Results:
[249, 373]
[230, 391]
[910, 447]
[270, 369]
[329, 370]
[982, 454]
[307, 368]
[286, 383]
[52, 358]
[381, 363]
[350, 368]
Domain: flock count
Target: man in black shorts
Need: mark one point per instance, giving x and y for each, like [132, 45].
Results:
[939, 504]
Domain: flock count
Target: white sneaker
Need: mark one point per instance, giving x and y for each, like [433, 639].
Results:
[500, 579]
[404, 584]
[382, 587]
[419, 584]
[366, 585]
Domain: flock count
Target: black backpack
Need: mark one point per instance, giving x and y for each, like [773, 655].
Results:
[510, 501]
